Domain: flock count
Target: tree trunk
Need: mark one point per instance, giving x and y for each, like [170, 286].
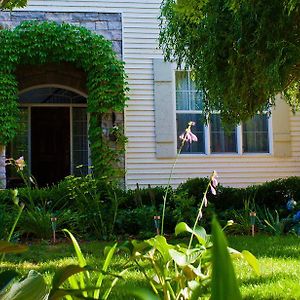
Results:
[2, 168]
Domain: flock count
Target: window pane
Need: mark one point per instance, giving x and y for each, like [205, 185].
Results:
[181, 80]
[51, 95]
[187, 96]
[198, 130]
[19, 145]
[255, 135]
[182, 100]
[222, 140]
[80, 141]
[196, 100]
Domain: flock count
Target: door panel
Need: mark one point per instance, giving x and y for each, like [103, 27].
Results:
[50, 144]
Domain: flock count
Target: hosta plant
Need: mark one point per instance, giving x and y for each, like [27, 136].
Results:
[180, 271]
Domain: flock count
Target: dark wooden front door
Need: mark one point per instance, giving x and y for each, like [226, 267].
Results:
[50, 144]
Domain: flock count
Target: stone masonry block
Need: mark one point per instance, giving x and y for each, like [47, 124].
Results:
[116, 35]
[106, 33]
[59, 17]
[112, 17]
[85, 17]
[115, 25]
[117, 46]
[89, 25]
[4, 16]
[22, 16]
[100, 25]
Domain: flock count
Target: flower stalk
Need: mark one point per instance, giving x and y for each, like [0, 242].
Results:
[188, 137]
[212, 184]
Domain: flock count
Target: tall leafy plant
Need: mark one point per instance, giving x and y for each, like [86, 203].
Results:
[94, 200]
[194, 269]
[186, 137]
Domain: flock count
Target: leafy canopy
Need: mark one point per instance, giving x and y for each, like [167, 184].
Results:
[10, 4]
[243, 53]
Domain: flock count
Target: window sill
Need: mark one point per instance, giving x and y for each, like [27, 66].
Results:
[227, 154]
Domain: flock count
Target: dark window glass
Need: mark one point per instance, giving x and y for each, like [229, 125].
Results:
[198, 130]
[221, 140]
[49, 95]
[256, 135]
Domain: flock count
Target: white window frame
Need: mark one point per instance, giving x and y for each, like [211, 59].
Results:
[207, 133]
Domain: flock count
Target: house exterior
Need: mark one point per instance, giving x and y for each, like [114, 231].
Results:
[161, 101]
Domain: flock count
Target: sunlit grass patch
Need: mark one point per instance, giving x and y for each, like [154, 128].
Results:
[279, 259]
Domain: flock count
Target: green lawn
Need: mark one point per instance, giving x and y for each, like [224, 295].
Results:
[279, 259]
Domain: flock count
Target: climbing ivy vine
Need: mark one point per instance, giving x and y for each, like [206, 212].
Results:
[48, 42]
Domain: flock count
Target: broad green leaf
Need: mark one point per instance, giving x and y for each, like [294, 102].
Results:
[199, 232]
[142, 294]
[160, 243]
[252, 261]
[82, 263]
[81, 259]
[224, 285]
[109, 254]
[179, 258]
[8, 247]
[68, 294]
[6, 277]
[107, 261]
[33, 287]
[62, 274]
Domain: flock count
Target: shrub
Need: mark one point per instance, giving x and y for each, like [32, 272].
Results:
[274, 194]
[8, 215]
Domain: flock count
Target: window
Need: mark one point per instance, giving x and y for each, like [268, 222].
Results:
[255, 135]
[251, 137]
[189, 108]
[222, 140]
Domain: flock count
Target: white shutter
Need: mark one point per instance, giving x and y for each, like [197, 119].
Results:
[165, 109]
[281, 129]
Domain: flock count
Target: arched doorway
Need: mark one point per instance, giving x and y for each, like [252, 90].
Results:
[42, 43]
[52, 135]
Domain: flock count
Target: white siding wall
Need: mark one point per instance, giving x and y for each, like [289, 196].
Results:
[140, 32]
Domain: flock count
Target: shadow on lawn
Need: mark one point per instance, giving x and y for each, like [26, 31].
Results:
[263, 279]
[268, 246]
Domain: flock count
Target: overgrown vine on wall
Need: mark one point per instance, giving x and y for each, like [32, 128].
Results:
[37, 43]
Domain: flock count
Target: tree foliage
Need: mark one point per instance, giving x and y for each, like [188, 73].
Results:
[242, 52]
[37, 43]
[10, 4]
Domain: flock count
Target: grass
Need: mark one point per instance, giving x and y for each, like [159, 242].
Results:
[279, 259]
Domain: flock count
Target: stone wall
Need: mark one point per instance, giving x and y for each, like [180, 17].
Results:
[107, 24]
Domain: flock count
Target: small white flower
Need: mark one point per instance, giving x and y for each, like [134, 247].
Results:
[20, 163]
[230, 222]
